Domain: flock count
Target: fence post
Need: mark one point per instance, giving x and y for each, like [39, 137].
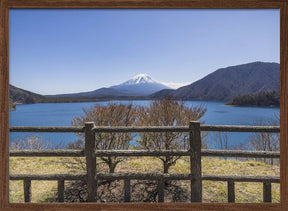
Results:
[27, 190]
[267, 196]
[61, 185]
[127, 190]
[231, 191]
[90, 162]
[160, 188]
[195, 161]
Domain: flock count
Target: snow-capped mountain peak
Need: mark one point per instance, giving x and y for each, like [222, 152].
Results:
[139, 79]
[140, 85]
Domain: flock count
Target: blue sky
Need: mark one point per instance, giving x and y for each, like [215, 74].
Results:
[55, 51]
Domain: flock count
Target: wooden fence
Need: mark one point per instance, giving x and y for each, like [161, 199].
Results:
[194, 152]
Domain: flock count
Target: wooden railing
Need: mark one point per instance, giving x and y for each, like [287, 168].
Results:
[194, 152]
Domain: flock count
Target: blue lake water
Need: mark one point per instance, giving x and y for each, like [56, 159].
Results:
[60, 114]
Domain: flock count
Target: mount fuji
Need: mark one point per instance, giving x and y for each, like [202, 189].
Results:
[140, 85]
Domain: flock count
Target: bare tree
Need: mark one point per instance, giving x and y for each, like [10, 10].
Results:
[33, 142]
[167, 112]
[221, 139]
[110, 115]
[266, 141]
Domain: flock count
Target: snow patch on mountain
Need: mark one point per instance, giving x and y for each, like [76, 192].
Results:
[141, 84]
[139, 79]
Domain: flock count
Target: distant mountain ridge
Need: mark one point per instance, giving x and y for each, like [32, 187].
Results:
[227, 83]
[21, 96]
[98, 93]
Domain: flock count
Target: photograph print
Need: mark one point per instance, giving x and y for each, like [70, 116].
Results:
[146, 105]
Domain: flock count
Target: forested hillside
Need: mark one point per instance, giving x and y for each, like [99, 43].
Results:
[271, 98]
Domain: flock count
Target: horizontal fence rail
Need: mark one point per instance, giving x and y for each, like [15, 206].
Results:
[152, 153]
[147, 176]
[47, 177]
[47, 129]
[240, 128]
[119, 129]
[240, 153]
[195, 153]
[47, 153]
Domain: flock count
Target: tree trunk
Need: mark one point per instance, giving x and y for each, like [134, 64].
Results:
[112, 167]
[166, 167]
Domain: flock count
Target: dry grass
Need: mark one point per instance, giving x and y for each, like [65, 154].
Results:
[35, 165]
[212, 191]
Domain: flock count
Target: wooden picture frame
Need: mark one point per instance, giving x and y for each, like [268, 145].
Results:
[5, 5]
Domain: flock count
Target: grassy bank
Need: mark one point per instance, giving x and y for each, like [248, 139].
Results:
[42, 191]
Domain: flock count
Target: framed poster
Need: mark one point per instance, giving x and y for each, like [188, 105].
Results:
[9, 14]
